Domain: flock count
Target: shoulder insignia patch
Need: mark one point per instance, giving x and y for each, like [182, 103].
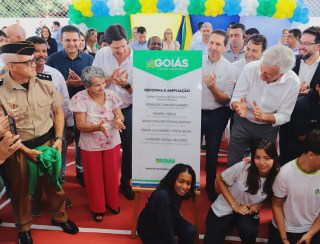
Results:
[42, 76]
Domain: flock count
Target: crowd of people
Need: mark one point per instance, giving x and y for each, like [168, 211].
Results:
[63, 86]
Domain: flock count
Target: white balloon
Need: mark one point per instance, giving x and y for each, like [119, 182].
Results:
[181, 6]
[116, 7]
[82, 27]
[249, 7]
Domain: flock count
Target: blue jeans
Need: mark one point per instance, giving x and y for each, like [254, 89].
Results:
[213, 124]
[126, 144]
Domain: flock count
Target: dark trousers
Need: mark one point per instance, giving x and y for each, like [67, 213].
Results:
[213, 124]
[217, 228]
[244, 134]
[293, 238]
[185, 232]
[126, 144]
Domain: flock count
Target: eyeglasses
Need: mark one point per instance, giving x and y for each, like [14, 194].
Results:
[28, 63]
[168, 33]
[307, 43]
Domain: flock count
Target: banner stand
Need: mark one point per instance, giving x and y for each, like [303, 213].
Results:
[138, 190]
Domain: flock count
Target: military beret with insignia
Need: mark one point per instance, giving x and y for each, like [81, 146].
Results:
[20, 48]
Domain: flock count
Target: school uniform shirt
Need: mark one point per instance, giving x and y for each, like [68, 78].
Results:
[108, 63]
[301, 193]
[236, 179]
[224, 81]
[95, 113]
[277, 98]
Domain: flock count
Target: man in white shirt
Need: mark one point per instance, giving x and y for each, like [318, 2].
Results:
[257, 44]
[236, 47]
[202, 44]
[217, 88]
[307, 63]
[117, 63]
[294, 36]
[197, 36]
[296, 201]
[263, 99]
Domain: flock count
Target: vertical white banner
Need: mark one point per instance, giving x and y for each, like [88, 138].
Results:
[166, 113]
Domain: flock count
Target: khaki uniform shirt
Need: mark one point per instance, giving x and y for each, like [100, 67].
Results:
[32, 107]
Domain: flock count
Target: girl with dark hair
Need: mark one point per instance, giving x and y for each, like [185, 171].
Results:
[244, 187]
[160, 221]
[51, 42]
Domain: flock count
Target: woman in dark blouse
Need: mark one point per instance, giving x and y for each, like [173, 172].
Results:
[160, 221]
[51, 42]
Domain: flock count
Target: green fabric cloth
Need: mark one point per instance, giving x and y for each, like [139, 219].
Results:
[49, 163]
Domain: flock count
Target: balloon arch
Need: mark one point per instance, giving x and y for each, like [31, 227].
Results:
[294, 10]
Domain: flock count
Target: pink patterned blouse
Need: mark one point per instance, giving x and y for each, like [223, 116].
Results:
[97, 141]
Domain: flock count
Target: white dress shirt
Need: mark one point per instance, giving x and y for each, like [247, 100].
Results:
[277, 98]
[61, 85]
[108, 63]
[237, 67]
[225, 82]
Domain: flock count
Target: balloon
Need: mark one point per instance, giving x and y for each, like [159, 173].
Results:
[116, 7]
[196, 7]
[284, 9]
[75, 16]
[214, 7]
[266, 7]
[99, 8]
[232, 7]
[181, 6]
[132, 6]
[301, 13]
[84, 6]
[249, 7]
[165, 6]
[148, 6]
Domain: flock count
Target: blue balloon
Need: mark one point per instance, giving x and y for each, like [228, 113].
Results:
[165, 6]
[232, 7]
[99, 8]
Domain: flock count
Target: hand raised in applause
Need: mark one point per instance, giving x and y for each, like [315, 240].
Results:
[258, 115]
[210, 80]
[240, 108]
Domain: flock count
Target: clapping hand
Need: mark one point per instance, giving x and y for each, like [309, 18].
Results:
[118, 124]
[240, 108]
[210, 80]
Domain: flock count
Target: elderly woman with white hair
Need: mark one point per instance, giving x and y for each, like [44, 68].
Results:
[99, 119]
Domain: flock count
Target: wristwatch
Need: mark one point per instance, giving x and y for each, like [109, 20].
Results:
[62, 138]
[127, 86]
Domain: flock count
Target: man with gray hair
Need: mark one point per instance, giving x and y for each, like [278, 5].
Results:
[263, 99]
[202, 44]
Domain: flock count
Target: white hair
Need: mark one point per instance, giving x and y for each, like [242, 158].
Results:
[281, 56]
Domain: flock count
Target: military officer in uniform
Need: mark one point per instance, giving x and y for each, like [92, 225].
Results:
[30, 101]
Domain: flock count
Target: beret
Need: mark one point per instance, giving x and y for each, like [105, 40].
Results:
[20, 48]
